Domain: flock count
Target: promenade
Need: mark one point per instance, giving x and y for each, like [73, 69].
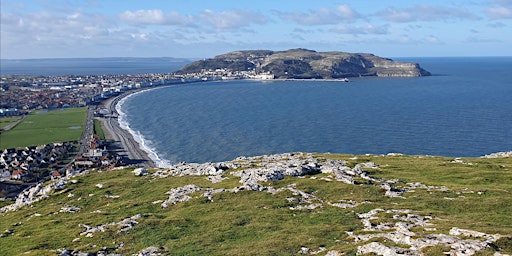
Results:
[121, 140]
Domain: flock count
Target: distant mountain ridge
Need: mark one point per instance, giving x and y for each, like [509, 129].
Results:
[307, 64]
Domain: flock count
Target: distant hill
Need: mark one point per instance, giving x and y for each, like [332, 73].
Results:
[307, 64]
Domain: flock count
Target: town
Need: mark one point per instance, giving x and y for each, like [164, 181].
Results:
[21, 94]
[24, 167]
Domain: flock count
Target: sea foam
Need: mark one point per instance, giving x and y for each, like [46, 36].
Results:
[144, 143]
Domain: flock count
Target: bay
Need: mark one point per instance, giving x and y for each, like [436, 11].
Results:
[464, 109]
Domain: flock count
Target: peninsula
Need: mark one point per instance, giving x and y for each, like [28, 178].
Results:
[304, 64]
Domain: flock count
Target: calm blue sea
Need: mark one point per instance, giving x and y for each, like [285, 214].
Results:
[464, 109]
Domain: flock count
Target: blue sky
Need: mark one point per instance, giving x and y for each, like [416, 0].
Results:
[200, 28]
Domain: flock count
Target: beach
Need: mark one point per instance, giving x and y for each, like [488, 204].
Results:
[122, 141]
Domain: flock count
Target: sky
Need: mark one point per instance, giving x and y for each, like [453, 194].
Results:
[204, 28]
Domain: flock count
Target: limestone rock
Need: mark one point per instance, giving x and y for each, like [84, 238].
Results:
[140, 171]
[180, 194]
[499, 155]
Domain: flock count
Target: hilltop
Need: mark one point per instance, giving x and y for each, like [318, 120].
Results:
[307, 64]
[286, 204]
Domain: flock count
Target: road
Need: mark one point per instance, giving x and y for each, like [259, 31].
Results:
[87, 131]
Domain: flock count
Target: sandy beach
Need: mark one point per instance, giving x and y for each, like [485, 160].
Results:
[123, 142]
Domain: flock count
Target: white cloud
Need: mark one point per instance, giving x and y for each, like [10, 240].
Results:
[154, 17]
[202, 21]
[499, 12]
[230, 20]
[347, 13]
[321, 16]
[425, 13]
[143, 17]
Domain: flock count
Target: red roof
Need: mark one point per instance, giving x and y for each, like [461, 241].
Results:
[17, 172]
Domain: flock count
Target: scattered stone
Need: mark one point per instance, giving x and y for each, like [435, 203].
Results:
[334, 253]
[69, 209]
[180, 194]
[63, 252]
[460, 161]
[255, 171]
[31, 195]
[344, 204]
[208, 193]
[367, 165]
[400, 233]
[215, 179]
[17, 224]
[307, 251]
[151, 251]
[380, 249]
[140, 171]
[123, 225]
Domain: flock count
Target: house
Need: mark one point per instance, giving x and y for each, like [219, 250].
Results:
[17, 175]
[55, 175]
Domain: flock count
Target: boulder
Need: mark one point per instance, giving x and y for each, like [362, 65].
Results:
[140, 171]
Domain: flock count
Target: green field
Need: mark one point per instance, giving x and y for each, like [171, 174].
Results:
[478, 197]
[43, 127]
[6, 122]
[98, 130]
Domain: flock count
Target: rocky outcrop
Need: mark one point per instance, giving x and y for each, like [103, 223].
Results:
[460, 241]
[34, 194]
[307, 64]
[122, 226]
[499, 155]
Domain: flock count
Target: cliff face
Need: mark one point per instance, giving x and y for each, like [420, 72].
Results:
[302, 63]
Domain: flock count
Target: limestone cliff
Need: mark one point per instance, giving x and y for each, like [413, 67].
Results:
[307, 64]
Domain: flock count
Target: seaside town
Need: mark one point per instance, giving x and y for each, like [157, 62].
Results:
[21, 168]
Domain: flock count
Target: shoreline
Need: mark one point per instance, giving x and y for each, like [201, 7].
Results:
[121, 140]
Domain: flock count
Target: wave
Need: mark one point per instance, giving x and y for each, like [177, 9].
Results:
[144, 143]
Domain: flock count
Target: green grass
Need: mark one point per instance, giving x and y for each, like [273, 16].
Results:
[42, 127]
[6, 122]
[98, 130]
[260, 223]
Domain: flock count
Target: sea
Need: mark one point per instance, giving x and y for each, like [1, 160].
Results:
[90, 66]
[463, 110]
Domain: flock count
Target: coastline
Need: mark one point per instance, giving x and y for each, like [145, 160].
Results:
[122, 141]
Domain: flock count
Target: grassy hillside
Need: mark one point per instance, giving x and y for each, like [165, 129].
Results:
[43, 127]
[309, 213]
